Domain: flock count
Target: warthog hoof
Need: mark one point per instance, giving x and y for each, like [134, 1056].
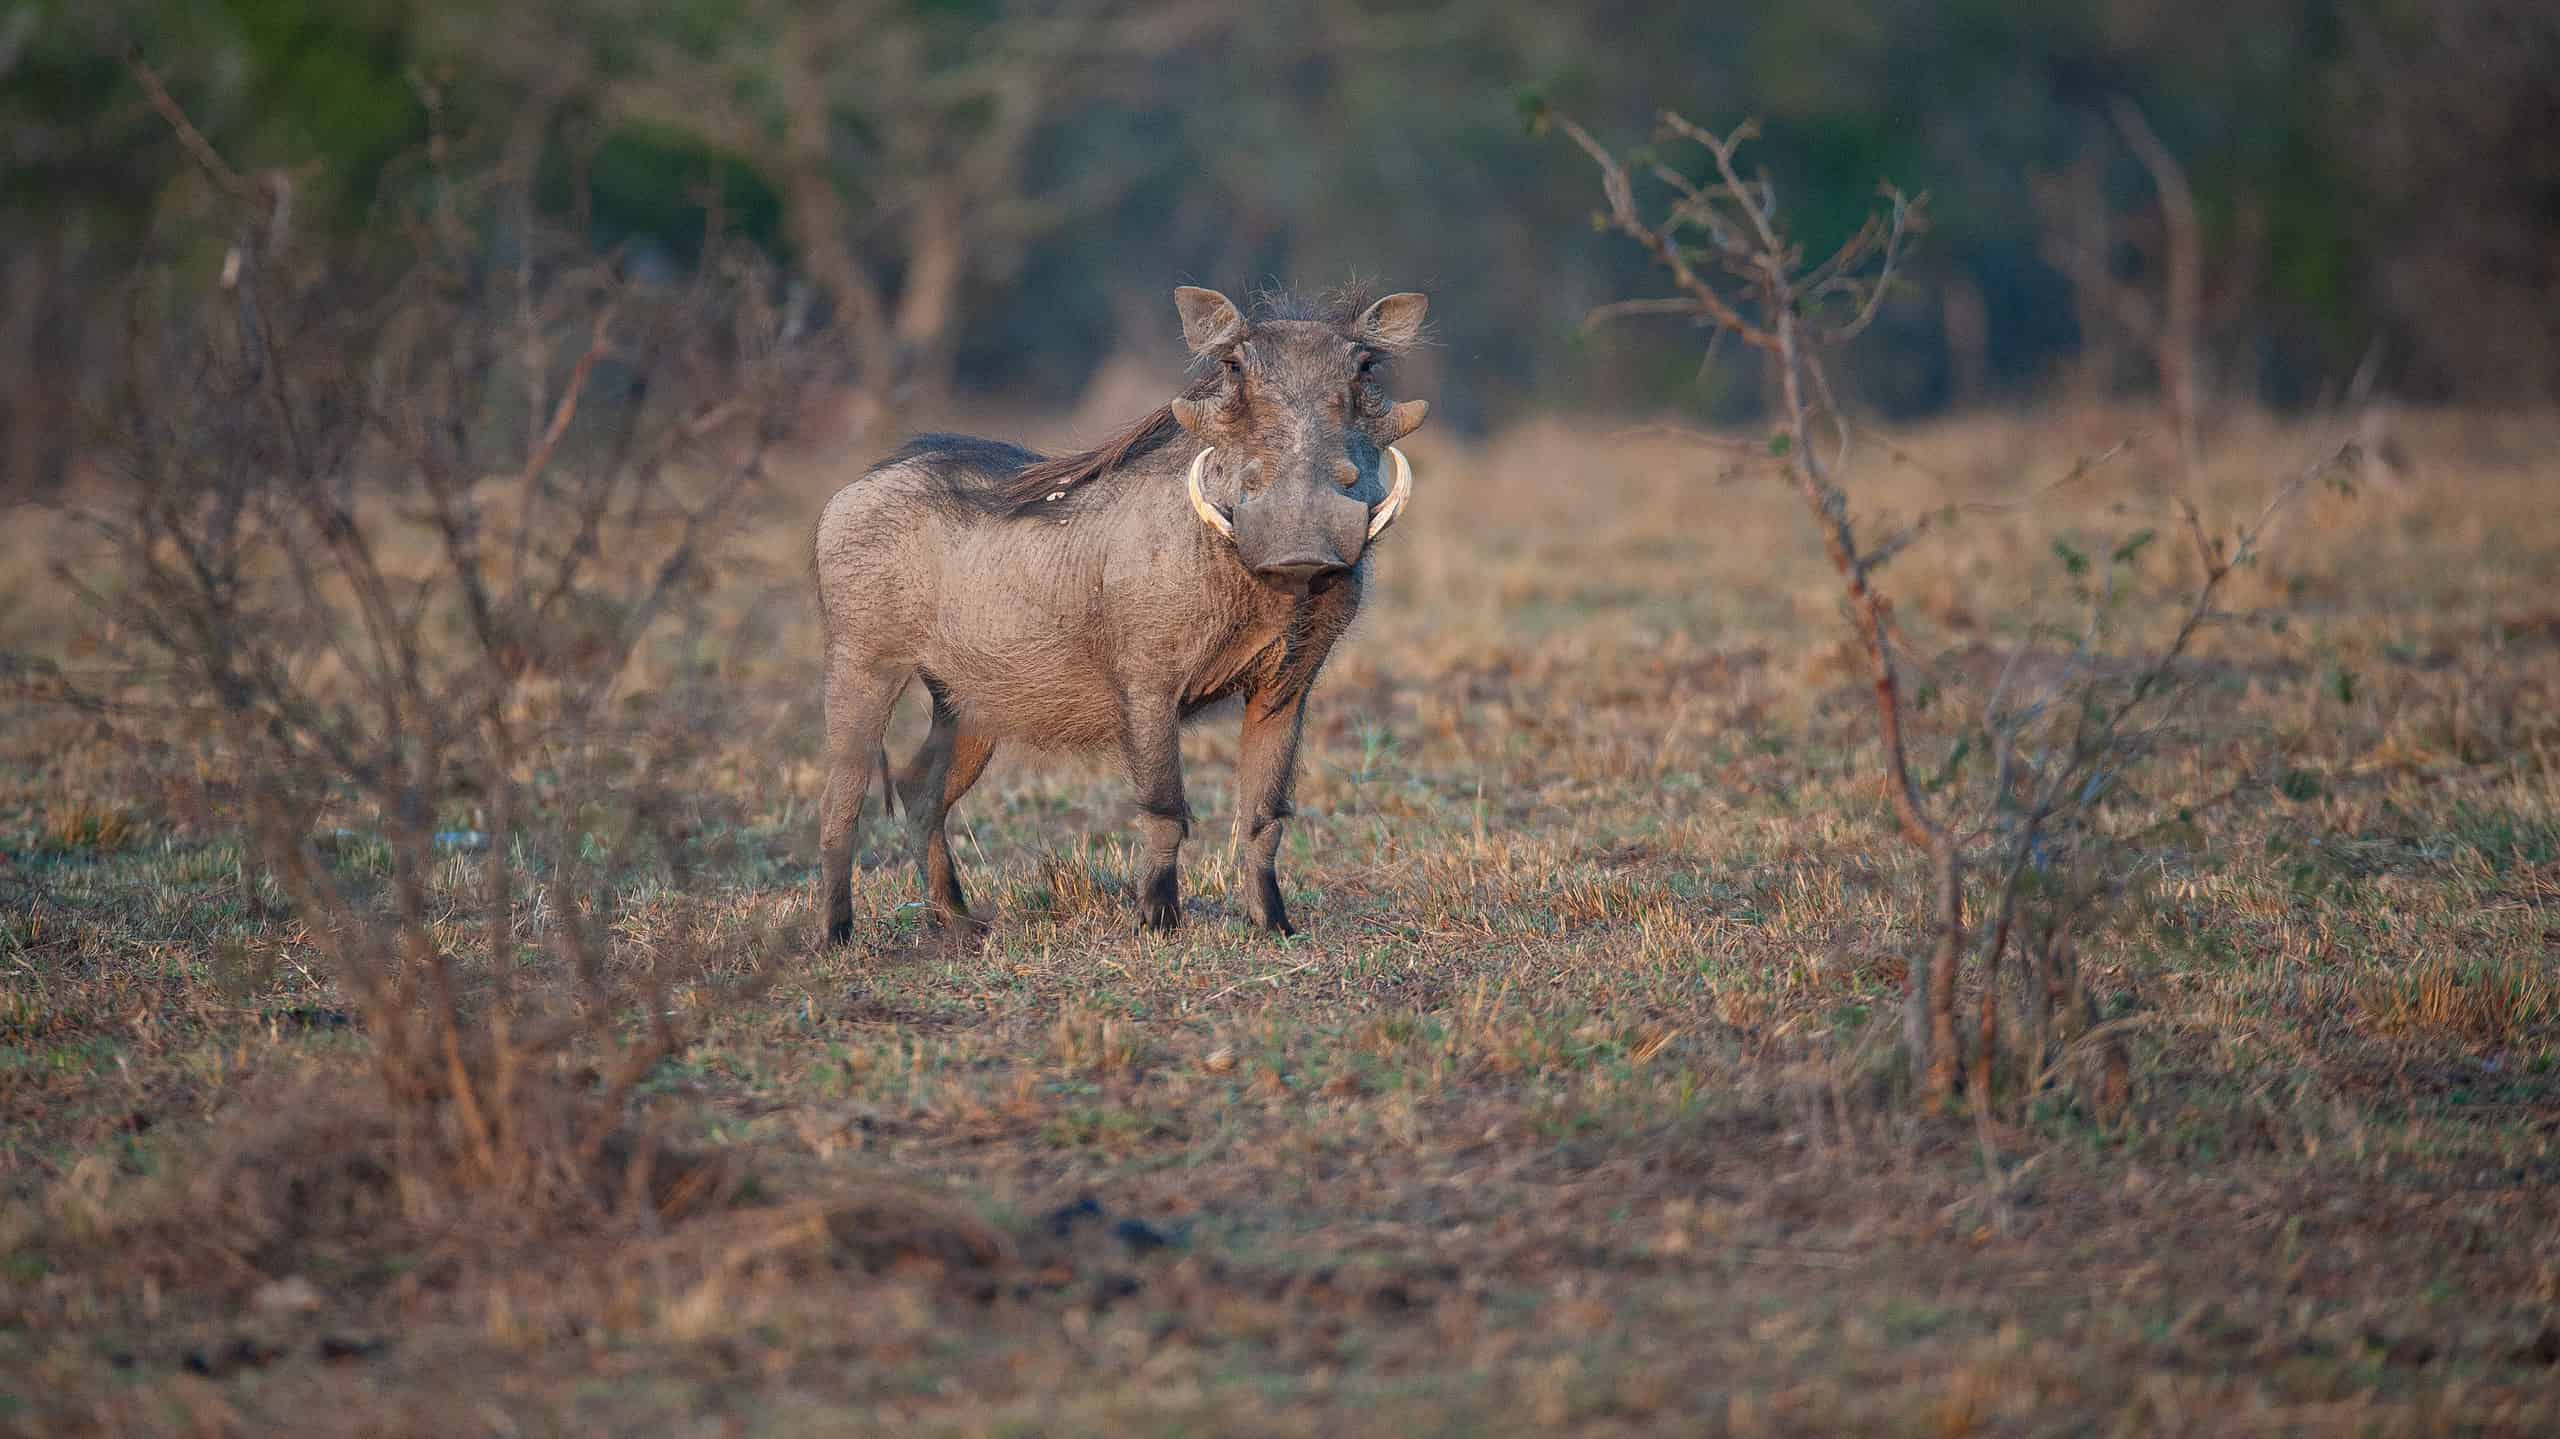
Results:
[1160, 904]
[1268, 910]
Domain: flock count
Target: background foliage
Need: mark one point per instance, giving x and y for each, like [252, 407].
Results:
[2376, 177]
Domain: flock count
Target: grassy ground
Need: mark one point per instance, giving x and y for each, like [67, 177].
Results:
[1573, 1108]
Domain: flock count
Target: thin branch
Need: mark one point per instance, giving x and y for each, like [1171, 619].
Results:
[1902, 539]
[1622, 309]
[1739, 448]
[1630, 222]
[197, 146]
[1871, 293]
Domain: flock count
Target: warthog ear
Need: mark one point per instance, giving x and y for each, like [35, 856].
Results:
[1406, 418]
[1393, 324]
[1209, 319]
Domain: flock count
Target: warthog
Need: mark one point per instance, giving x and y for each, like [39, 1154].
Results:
[1215, 547]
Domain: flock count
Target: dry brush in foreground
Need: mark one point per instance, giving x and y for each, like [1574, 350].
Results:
[1576, 1107]
[2058, 740]
[384, 530]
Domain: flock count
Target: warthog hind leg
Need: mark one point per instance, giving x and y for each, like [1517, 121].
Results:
[950, 762]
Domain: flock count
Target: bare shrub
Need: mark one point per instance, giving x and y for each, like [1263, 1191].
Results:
[388, 529]
[306, 1175]
[2038, 840]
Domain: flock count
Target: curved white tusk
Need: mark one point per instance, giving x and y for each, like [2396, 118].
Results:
[1393, 505]
[1209, 513]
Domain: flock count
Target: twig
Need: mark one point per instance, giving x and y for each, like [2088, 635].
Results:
[197, 146]
[1902, 539]
[1621, 309]
[1272, 979]
[1734, 445]
[1624, 215]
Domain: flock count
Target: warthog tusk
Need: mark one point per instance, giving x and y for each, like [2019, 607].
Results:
[1384, 516]
[1209, 513]
[1389, 508]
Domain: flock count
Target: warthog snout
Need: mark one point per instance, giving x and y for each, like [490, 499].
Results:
[1302, 575]
[1298, 536]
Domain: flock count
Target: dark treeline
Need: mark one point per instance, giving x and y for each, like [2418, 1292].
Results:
[996, 195]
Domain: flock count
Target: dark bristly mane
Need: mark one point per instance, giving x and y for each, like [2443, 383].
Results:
[1007, 479]
[999, 478]
[1145, 435]
[1338, 308]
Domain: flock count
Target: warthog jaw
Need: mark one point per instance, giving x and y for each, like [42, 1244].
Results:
[1379, 518]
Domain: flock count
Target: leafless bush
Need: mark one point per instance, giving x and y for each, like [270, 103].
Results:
[388, 529]
[2041, 821]
[905, 183]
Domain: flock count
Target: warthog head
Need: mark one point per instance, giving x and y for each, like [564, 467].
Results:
[1297, 461]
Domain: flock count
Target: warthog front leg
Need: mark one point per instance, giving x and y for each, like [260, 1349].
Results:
[1151, 741]
[950, 762]
[859, 695]
[1266, 773]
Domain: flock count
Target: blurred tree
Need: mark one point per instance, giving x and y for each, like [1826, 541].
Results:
[2365, 173]
[2450, 116]
[895, 135]
[319, 91]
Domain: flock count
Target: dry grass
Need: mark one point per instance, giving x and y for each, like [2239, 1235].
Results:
[1574, 1107]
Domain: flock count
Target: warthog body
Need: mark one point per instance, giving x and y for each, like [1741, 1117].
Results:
[1215, 548]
